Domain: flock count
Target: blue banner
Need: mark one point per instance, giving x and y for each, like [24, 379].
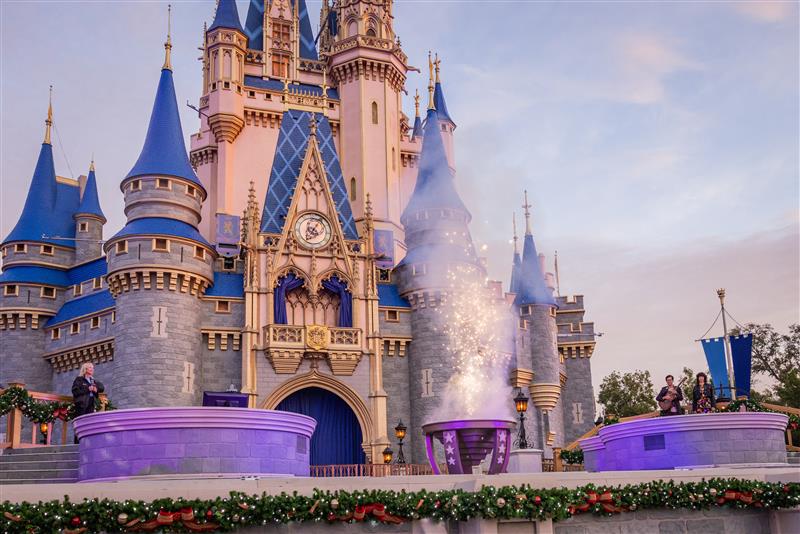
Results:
[715, 356]
[384, 248]
[228, 232]
[742, 355]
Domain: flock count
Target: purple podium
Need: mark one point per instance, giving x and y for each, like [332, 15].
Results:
[192, 441]
[467, 442]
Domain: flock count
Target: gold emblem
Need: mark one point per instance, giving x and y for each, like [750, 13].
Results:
[317, 337]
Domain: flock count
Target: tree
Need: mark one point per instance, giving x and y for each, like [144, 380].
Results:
[627, 394]
[777, 356]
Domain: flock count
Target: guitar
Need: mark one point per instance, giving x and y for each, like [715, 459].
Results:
[666, 404]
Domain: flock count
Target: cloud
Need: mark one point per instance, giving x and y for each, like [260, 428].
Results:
[765, 11]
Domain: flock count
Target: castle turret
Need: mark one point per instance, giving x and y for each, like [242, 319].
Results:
[440, 258]
[89, 220]
[447, 125]
[158, 267]
[416, 130]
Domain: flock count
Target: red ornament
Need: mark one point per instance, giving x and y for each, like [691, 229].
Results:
[75, 521]
[537, 499]
[209, 514]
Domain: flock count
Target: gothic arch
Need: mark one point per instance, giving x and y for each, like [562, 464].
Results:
[338, 273]
[329, 383]
[289, 269]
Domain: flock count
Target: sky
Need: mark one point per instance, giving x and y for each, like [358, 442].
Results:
[659, 142]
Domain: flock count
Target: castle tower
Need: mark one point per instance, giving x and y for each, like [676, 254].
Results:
[36, 256]
[437, 234]
[223, 75]
[369, 69]
[89, 220]
[416, 130]
[538, 309]
[158, 267]
[447, 125]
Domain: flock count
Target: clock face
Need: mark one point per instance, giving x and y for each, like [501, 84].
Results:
[312, 230]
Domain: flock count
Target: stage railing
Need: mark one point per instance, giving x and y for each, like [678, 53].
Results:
[370, 470]
[21, 433]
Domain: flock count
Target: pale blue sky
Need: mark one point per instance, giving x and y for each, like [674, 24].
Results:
[658, 141]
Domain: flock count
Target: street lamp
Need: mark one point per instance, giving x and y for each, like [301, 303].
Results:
[400, 433]
[387, 455]
[521, 402]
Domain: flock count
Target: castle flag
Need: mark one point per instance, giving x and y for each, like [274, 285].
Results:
[715, 356]
[742, 355]
[228, 228]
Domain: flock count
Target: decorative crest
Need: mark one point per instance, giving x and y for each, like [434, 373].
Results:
[168, 43]
[49, 121]
[527, 208]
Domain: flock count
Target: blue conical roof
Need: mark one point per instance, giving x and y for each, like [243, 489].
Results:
[435, 187]
[164, 150]
[441, 105]
[254, 28]
[515, 267]
[417, 130]
[531, 286]
[227, 16]
[90, 203]
[37, 216]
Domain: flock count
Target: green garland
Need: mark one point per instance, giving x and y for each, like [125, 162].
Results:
[753, 406]
[572, 457]
[39, 411]
[508, 502]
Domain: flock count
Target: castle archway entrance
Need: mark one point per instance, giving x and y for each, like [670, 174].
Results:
[337, 438]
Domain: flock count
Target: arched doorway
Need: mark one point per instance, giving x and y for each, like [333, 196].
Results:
[337, 438]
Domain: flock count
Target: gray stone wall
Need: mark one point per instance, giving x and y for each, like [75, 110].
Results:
[152, 201]
[220, 368]
[21, 359]
[90, 246]
[543, 347]
[396, 384]
[140, 252]
[86, 336]
[62, 256]
[578, 399]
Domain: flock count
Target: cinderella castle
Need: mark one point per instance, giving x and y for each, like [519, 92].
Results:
[296, 251]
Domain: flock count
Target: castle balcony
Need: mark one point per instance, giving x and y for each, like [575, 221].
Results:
[375, 43]
[287, 345]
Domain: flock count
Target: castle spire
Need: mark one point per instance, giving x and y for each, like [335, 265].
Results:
[514, 224]
[168, 43]
[532, 288]
[49, 121]
[227, 16]
[438, 96]
[517, 261]
[431, 104]
[90, 202]
[416, 131]
[526, 206]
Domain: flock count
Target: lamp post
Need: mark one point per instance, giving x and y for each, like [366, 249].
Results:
[387, 455]
[521, 402]
[400, 433]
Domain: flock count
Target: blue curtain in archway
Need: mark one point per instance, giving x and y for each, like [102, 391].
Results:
[337, 438]
[285, 284]
[334, 285]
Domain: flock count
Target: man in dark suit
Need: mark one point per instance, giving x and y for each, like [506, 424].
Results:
[673, 393]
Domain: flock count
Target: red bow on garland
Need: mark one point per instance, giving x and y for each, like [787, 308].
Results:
[185, 516]
[363, 510]
[606, 500]
[61, 413]
[743, 496]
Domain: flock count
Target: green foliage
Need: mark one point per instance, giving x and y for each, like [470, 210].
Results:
[39, 411]
[777, 356]
[753, 406]
[507, 502]
[627, 394]
[574, 456]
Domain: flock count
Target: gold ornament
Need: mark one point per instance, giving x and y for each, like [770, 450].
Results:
[317, 337]
[334, 503]
[501, 502]
[122, 519]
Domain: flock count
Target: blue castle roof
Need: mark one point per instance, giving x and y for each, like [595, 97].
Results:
[389, 295]
[90, 203]
[48, 207]
[227, 285]
[277, 85]
[254, 28]
[441, 105]
[417, 130]
[531, 286]
[435, 187]
[515, 267]
[289, 154]
[164, 150]
[30, 274]
[82, 306]
[161, 226]
[227, 16]
[87, 271]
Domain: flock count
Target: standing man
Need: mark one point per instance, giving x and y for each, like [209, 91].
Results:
[670, 397]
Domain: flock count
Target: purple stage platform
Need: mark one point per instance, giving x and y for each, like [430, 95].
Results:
[687, 441]
[466, 443]
[191, 441]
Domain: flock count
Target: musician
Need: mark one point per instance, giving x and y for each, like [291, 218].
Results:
[671, 394]
[85, 390]
[703, 395]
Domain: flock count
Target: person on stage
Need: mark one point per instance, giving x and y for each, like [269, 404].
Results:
[670, 397]
[85, 390]
[703, 395]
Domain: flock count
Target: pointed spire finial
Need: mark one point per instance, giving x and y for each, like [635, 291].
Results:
[416, 103]
[527, 207]
[49, 121]
[558, 282]
[312, 125]
[91, 165]
[514, 223]
[168, 43]
[436, 64]
[368, 207]
[431, 105]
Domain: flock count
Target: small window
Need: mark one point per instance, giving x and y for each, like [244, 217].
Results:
[160, 245]
[229, 264]
[199, 253]
[136, 185]
[55, 334]
[384, 275]
[223, 306]
[97, 283]
[95, 322]
[393, 316]
[20, 248]
[162, 183]
[11, 291]
[374, 113]
[5, 251]
[113, 317]
[251, 94]
[77, 290]
[83, 227]
[190, 190]
[444, 127]
[418, 269]
[75, 328]
[47, 250]
[523, 324]
[122, 247]
[353, 189]
[48, 293]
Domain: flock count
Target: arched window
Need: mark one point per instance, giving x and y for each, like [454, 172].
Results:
[353, 188]
[226, 65]
[352, 28]
[374, 113]
[371, 32]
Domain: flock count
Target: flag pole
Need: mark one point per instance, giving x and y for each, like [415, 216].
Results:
[728, 358]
